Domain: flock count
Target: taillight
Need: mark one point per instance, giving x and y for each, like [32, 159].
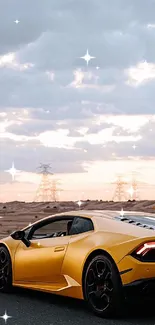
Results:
[145, 248]
[145, 253]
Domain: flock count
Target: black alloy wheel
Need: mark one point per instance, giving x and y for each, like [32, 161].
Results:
[5, 270]
[102, 287]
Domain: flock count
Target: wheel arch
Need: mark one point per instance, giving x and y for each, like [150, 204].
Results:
[94, 253]
[9, 283]
[4, 245]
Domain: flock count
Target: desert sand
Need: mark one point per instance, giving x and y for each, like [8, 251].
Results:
[17, 215]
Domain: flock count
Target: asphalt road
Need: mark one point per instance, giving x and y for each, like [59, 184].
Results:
[33, 308]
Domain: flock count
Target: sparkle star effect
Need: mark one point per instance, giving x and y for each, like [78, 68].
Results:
[134, 147]
[79, 203]
[87, 57]
[16, 21]
[13, 171]
[5, 317]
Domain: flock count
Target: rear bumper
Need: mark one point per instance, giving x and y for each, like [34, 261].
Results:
[138, 278]
[133, 271]
[142, 289]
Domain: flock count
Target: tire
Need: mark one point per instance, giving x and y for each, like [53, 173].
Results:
[5, 270]
[102, 287]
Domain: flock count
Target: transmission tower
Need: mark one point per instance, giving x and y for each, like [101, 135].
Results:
[55, 190]
[134, 185]
[43, 193]
[119, 191]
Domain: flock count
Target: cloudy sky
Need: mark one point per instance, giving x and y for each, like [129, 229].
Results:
[92, 121]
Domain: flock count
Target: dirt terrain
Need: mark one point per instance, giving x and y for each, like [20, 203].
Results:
[17, 215]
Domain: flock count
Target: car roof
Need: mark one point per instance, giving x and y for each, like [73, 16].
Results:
[95, 214]
[105, 213]
[101, 217]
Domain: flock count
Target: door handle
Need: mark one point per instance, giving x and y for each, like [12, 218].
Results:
[59, 249]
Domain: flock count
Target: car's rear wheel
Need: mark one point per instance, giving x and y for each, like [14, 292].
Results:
[102, 287]
[5, 270]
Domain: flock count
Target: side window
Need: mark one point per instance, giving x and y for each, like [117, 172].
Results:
[51, 229]
[81, 225]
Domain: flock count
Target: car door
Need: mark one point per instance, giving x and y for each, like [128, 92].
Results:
[42, 261]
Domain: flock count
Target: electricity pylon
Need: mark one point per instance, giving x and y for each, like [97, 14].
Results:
[119, 191]
[55, 190]
[43, 193]
[134, 185]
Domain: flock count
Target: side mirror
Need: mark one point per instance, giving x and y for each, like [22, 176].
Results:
[20, 235]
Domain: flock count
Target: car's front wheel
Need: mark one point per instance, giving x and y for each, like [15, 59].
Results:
[5, 270]
[102, 287]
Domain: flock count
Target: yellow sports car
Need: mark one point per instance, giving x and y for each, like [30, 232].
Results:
[98, 256]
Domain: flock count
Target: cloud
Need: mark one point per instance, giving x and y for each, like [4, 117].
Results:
[53, 106]
[141, 73]
[111, 142]
[9, 61]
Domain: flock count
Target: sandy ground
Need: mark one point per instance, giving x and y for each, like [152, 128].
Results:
[17, 215]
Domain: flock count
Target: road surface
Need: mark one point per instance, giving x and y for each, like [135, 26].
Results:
[33, 308]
